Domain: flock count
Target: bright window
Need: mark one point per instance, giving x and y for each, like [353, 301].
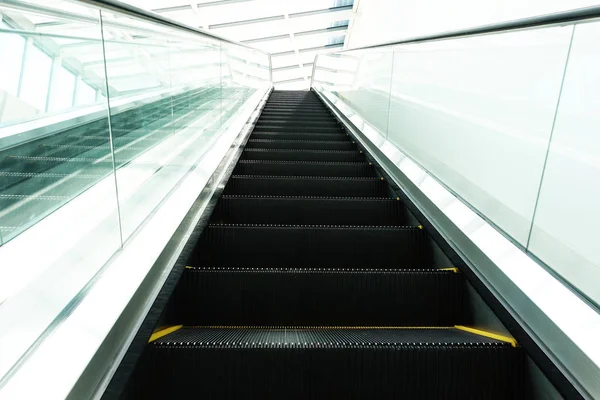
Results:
[61, 96]
[36, 77]
[85, 94]
[11, 56]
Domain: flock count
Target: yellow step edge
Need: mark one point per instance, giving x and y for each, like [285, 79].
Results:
[163, 332]
[453, 269]
[508, 339]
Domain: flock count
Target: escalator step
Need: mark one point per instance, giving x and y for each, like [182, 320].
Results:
[263, 185]
[302, 155]
[304, 102]
[330, 363]
[300, 136]
[298, 111]
[309, 211]
[299, 122]
[301, 144]
[294, 106]
[260, 127]
[312, 246]
[316, 115]
[303, 168]
[288, 115]
[245, 296]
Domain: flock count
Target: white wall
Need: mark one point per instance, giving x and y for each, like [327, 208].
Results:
[380, 21]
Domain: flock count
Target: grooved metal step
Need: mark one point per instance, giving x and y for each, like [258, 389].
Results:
[302, 155]
[317, 115]
[304, 168]
[309, 210]
[300, 136]
[316, 246]
[263, 185]
[330, 363]
[305, 110]
[301, 144]
[294, 116]
[309, 296]
[298, 122]
[260, 127]
[295, 104]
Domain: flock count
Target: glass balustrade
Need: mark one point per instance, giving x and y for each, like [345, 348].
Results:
[505, 121]
[102, 115]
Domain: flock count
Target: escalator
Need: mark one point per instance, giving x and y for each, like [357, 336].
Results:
[313, 280]
[38, 176]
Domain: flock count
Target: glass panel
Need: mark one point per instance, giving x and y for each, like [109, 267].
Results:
[480, 115]
[368, 90]
[57, 188]
[36, 78]
[172, 94]
[138, 70]
[187, 90]
[565, 232]
[477, 113]
[62, 90]
[43, 168]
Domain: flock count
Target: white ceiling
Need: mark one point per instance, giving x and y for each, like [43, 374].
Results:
[292, 31]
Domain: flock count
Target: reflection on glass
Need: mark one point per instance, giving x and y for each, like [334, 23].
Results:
[43, 168]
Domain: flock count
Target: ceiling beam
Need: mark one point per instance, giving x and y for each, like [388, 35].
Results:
[322, 11]
[318, 48]
[325, 30]
[308, 50]
[266, 39]
[341, 28]
[247, 22]
[184, 7]
[291, 67]
[282, 16]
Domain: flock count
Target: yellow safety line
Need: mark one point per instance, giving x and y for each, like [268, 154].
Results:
[496, 336]
[163, 332]
[453, 269]
[420, 227]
